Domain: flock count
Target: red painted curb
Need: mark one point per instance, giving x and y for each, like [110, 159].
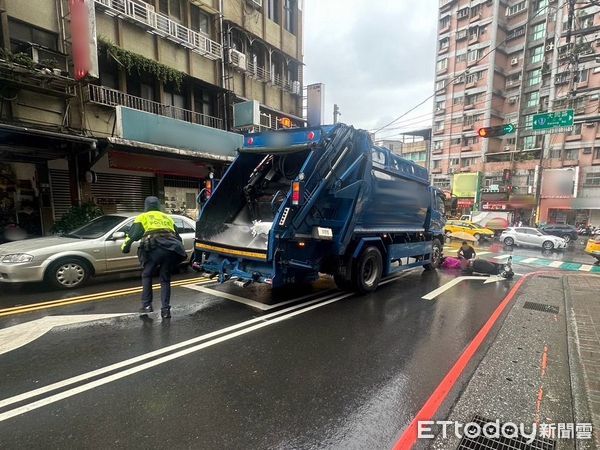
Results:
[433, 403]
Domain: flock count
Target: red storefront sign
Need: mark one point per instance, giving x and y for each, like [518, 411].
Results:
[465, 202]
[494, 206]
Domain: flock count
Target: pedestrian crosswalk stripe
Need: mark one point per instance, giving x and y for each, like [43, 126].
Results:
[586, 268]
[529, 260]
[555, 264]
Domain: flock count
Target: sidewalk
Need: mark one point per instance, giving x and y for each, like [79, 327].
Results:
[583, 295]
[541, 369]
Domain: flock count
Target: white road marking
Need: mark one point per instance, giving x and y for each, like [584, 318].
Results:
[17, 336]
[528, 260]
[250, 302]
[145, 356]
[493, 279]
[449, 285]
[502, 256]
[585, 268]
[235, 298]
[482, 253]
[116, 376]
[555, 264]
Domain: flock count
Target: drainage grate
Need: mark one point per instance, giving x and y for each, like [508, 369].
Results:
[541, 307]
[502, 443]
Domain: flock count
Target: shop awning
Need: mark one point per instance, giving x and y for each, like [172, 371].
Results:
[27, 144]
[144, 147]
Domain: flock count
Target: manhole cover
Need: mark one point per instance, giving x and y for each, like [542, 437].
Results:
[541, 307]
[502, 443]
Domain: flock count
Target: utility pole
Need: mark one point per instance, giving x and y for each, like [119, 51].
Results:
[336, 113]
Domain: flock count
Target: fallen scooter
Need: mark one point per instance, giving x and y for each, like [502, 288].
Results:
[503, 269]
[482, 266]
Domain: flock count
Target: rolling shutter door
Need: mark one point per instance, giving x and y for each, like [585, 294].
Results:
[124, 192]
[61, 194]
[127, 192]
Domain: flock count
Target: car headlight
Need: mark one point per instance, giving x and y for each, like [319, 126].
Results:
[15, 258]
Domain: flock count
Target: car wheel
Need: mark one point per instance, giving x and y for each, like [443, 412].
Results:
[68, 273]
[436, 256]
[567, 238]
[547, 245]
[509, 242]
[367, 270]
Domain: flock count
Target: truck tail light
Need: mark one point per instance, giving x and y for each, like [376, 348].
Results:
[295, 193]
[208, 187]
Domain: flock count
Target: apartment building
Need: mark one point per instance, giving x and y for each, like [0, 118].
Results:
[155, 112]
[414, 146]
[502, 62]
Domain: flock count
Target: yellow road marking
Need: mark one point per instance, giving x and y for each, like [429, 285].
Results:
[92, 297]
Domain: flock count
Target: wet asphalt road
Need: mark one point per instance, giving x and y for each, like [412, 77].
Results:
[313, 368]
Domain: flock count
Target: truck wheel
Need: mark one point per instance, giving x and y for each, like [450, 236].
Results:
[436, 256]
[367, 270]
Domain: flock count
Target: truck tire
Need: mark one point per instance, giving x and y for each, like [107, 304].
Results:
[367, 270]
[436, 256]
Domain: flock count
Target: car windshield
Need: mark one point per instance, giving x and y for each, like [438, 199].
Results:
[96, 228]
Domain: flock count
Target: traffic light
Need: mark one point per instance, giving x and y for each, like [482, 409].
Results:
[499, 130]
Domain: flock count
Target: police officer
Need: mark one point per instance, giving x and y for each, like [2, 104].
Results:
[160, 248]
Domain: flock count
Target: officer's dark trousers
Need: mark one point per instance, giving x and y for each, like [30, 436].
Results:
[164, 261]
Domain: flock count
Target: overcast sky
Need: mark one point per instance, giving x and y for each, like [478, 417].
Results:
[376, 58]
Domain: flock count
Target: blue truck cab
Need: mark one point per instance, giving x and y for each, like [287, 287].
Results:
[302, 202]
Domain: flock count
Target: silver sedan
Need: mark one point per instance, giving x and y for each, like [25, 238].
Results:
[67, 261]
[531, 237]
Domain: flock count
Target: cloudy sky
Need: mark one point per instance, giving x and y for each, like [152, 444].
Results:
[376, 58]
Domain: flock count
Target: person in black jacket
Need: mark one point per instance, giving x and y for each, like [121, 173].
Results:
[161, 248]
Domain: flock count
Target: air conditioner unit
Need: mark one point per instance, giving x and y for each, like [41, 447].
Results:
[550, 47]
[514, 61]
[512, 100]
[237, 59]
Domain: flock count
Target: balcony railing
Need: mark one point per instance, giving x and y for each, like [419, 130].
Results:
[143, 14]
[110, 97]
[263, 74]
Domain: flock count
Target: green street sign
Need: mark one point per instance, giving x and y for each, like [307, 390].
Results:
[555, 119]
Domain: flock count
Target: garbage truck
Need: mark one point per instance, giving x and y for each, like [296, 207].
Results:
[301, 202]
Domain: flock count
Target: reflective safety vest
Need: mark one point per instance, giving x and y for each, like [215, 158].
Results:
[154, 221]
